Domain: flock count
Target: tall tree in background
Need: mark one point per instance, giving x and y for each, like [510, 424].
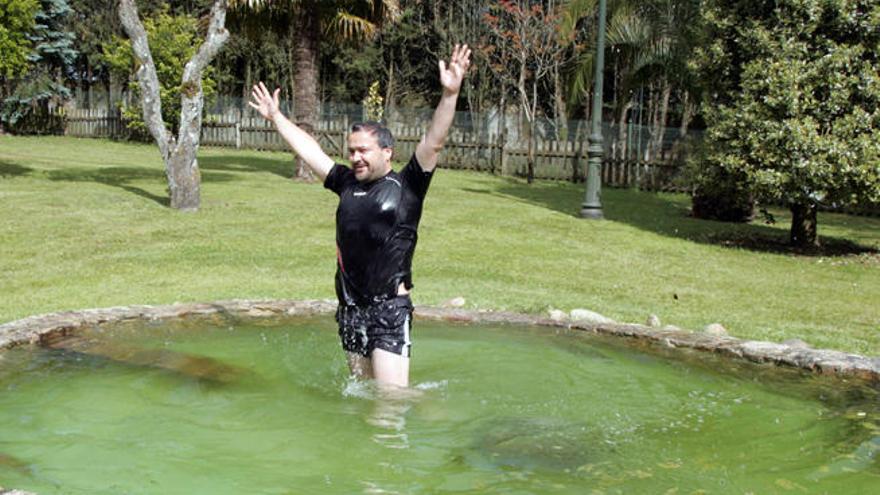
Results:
[178, 152]
[341, 19]
[794, 107]
[655, 40]
[95, 24]
[50, 65]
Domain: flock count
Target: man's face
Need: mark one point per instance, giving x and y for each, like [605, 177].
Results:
[368, 161]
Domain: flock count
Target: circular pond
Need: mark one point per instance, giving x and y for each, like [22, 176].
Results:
[266, 406]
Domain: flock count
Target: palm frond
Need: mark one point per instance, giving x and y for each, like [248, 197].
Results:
[258, 6]
[572, 13]
[627, 28]
[346, 26]
[580, 76]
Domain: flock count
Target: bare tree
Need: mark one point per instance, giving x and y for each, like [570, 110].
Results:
[178, 152]
[523, 47]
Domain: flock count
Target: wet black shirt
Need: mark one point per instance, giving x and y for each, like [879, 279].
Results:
[376, 227]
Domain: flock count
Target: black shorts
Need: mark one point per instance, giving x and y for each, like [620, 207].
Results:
[384, 325]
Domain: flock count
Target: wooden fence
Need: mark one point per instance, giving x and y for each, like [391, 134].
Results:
[94, 123]
[556, 160]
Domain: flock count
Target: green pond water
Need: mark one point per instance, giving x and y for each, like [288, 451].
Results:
[267, 407]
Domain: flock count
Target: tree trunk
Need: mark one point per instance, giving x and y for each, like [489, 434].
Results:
[151, 104]
[662, 116]
[652, 116]
[306, 79]
[390, 95]
[85, 85]
[248, 83]
[560, 107]
[530, 155]
[502, 133]
[803, 226]
[184, 179]
[687, 113]
[291, 61]
[530, 176]
[622, 130]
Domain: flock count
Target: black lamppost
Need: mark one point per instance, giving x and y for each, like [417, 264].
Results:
[592, 206]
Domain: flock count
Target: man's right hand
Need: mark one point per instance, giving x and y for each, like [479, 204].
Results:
[264, 102]
[299, 141]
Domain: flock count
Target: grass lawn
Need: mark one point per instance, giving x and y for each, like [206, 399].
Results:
[84, 223]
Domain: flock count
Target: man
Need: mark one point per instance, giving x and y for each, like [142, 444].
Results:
[376, 224]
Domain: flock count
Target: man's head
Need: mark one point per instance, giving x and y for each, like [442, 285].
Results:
[370, 147]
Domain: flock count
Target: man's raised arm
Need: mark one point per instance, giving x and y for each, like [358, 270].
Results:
[299, 140]
[450, 79]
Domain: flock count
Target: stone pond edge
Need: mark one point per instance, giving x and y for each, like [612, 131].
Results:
[35, 329]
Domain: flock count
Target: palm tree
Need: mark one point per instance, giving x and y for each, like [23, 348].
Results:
[306, 21]
[650, 41]
[660, 58]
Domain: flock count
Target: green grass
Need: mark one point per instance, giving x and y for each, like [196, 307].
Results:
[84, 223]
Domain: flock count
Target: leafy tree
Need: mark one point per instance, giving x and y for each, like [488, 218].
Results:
[50, 64]
[173, 40]
[16, 22]
[794, 107]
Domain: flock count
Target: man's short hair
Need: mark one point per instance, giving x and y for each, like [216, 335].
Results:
[383, 135]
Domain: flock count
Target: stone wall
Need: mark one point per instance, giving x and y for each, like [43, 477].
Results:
[796, 354]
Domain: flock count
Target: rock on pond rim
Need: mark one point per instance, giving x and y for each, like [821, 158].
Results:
[38, 329]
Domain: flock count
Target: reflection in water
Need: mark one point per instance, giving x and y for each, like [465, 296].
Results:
[372, 488]
[390, 404]
[190, 365]
[8, 461]
[537, 443]
[862, 458]
[389, 415]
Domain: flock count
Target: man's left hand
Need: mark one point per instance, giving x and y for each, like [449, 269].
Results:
[451, 77]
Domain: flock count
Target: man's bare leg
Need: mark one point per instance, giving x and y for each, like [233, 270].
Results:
[360, 366]
[390, 369]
